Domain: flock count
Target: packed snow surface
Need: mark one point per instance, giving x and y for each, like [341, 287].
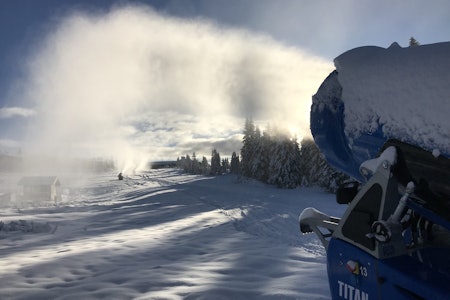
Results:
[165, 235]
[406, 91]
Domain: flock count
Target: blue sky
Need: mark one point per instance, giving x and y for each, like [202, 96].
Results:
[318, 30]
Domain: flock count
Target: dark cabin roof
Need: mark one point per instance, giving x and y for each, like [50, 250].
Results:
[39, 181]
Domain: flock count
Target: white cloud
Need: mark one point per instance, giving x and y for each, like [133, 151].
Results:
[10, 112]
[133, 83]
[8, 143]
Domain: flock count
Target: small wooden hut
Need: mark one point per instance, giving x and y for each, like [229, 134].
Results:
[39, 188]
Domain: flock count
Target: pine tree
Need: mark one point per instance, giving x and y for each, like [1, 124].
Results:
[215, 163]
[204, 166]
[285, 169]
[316, 170]
[413, 42]
[187, 164]
[291, 169]
[225, 166]
[247, 151]
[234, 164]
[195, 167]
[260, 164]
[276, 162]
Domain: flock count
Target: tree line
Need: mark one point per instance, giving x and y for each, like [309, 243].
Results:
[272, 157]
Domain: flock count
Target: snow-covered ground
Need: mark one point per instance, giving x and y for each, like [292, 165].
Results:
[166, 235]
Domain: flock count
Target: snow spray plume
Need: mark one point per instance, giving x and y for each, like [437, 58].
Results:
[137, 86]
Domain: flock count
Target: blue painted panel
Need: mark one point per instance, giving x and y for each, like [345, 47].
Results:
[328, 129]
[344, 284]
[424, 276]
[417, 276]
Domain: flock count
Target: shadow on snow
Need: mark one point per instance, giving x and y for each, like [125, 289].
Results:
[178, 241]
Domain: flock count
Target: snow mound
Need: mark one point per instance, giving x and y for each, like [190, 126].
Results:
[405, 92]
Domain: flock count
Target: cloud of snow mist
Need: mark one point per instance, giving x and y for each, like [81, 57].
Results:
[136, 85]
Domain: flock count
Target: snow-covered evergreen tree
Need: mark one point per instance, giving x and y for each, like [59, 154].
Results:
[225, 166]
[261, 152]
[195, 167]
[187, 164]
[215, 163]
[234, 164]
[316, 170]
[204, 166]
[291, 170]
[248, 147]
[285, 171]
[413, 42]
[275, 162]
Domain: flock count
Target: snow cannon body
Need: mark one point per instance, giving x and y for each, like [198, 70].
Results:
[393, 241]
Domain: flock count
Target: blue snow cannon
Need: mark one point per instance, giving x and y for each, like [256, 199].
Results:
[393, 241]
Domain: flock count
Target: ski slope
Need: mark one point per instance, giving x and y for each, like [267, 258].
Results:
[166, 235]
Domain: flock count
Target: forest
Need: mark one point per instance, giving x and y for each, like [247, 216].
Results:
[272, 157]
